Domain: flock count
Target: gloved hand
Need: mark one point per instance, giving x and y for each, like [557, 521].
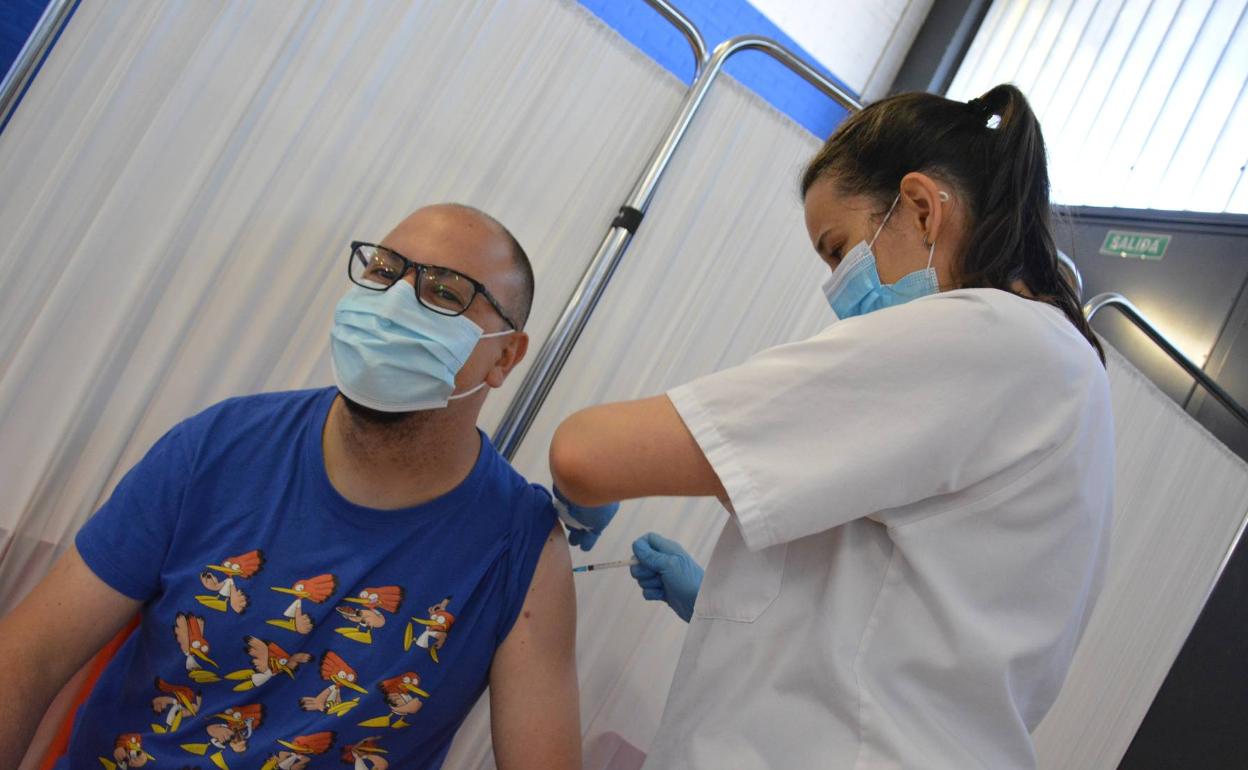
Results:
[667, 573]
[584, 524]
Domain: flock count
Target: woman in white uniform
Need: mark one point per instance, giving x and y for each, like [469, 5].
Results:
[920, 494]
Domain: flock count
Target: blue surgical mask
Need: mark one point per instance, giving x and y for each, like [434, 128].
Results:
[854, 288]
[392, 354]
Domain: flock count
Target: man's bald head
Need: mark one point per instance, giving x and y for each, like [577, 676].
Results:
[518, 306]
[471, 241]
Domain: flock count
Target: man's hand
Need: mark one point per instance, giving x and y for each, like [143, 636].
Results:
[535, 714]
[56, 629]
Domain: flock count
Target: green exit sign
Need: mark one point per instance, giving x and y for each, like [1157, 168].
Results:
[1120, 243]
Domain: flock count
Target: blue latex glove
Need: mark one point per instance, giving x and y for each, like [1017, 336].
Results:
[584, 524]
[666, 573]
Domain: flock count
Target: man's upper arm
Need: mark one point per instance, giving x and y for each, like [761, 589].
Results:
[534, 702]
[47, 638]
[71, 613]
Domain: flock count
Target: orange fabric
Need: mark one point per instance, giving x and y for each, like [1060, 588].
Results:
[60, 744]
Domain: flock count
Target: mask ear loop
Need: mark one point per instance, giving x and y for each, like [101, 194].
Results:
[931, 247]
[481, 384]
[467, 393]
[880, 229]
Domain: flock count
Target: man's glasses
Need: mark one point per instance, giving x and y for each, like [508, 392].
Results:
[441, 289]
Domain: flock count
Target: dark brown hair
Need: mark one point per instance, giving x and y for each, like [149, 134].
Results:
[991, 151]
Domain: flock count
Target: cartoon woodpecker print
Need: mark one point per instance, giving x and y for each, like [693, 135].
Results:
[188, 629]
[127, 753]
[365, 755]
[369, 616]
[177, 703]
[437, 628]
[299, 751]
[238, 724]
[400, 693]
[314, 589]
[339, 674]
[228, 594]
[267, 659]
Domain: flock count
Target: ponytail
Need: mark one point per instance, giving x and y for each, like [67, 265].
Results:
[1012, 235]
[992, 151]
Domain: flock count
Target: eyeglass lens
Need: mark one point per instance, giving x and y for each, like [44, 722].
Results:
[442, 290]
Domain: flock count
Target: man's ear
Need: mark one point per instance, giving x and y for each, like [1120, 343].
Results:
[517, 345]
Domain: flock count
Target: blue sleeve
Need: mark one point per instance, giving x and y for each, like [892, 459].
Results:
[126, 541]
[530, 528]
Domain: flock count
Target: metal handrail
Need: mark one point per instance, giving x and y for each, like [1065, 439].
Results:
[1076, 277]
[1133, 314]
[27, 61]
[567, 330]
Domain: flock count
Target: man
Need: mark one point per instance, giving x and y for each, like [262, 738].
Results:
[368, 503]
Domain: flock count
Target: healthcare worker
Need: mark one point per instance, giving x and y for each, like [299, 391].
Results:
[920, 494]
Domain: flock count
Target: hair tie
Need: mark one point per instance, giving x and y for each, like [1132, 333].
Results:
[978, 107]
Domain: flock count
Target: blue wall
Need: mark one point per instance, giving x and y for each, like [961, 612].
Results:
[17, 19]
[719, 20]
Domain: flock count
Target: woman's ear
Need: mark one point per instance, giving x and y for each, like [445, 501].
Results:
[926, 200]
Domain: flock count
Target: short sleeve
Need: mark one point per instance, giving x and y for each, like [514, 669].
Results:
[877, 412]
[532, 525]
[126, 540]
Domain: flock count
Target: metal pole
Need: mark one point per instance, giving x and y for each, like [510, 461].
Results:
[27, 61]
[567, 330]
[1133, 314]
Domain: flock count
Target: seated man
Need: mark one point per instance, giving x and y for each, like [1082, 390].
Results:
[334, 572]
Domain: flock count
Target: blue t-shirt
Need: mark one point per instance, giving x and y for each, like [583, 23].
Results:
[284, 626]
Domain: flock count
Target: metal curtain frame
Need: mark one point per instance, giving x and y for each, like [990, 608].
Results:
[29, 58]
[554, 352]
[1133, 314]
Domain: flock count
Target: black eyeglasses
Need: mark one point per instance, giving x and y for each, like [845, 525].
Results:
[441, 289]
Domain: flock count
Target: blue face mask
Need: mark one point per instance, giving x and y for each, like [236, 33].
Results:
[854, 288]
[392, 354]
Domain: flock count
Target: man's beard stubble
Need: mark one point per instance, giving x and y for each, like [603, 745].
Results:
[369, 416]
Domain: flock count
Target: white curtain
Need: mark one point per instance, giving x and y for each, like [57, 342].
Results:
[1181, 498]
[182, 178]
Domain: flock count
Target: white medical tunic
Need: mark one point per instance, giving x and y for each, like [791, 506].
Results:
[922, 504]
